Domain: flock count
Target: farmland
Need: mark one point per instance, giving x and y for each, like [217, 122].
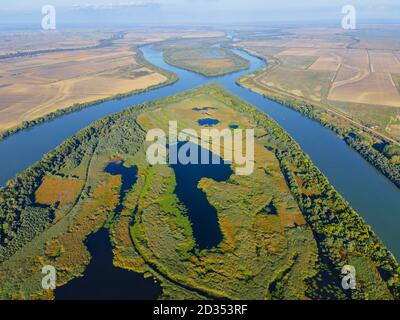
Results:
[74, 69]
[268, 220]
[327, 67]
[30, 41]
[34, 87]
[352, 90]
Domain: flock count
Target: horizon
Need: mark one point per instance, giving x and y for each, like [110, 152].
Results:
[128, 13]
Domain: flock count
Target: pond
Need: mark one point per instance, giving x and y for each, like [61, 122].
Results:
[103, 281]
[202, 214]
[129, 176]
[204, 108]
[207, 122]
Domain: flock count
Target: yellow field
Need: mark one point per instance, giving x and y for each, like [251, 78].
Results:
[347, 74]
[31, 41]
[326, 63]
[365, 77]
[299, 52]
[57, 190]
[384, 62]
[353, 73]
[144, 36]
[32, 87]
[375, 88]
[378, 44]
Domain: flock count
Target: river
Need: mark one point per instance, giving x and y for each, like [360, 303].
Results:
[375, 198]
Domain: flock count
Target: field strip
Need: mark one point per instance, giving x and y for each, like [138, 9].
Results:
[391, 79]
[371, 67]
[362, 74]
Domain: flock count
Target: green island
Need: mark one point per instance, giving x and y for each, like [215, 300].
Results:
[287, 232]
[208, 57]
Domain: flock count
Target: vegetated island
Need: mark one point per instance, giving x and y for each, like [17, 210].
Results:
[208, 56]
[286, 232]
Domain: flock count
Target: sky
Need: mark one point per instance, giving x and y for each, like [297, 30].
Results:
[195, 12]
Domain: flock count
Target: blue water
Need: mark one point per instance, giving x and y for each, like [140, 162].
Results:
[203, 216]
[204, 108]
[207, 122]
[103, 281]
[128, 177]
[375, 198]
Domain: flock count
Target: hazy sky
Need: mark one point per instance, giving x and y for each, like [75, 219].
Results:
[121, 12]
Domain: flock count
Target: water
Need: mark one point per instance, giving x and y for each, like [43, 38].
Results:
[375, 198]
[103, 281]
[129, 177]
[207, 122]
[202, 215]
[205, 109]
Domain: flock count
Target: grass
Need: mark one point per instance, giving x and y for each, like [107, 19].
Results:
[312, 85]
[57, 190]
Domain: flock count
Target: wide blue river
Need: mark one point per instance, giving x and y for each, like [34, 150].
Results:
[375, 198]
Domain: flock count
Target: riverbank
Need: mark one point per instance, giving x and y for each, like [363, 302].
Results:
[351, 135]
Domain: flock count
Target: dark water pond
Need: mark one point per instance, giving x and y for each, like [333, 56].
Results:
[205, 109]
[207, 122]
[129, 176]
[202, 215]
[103, 281]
